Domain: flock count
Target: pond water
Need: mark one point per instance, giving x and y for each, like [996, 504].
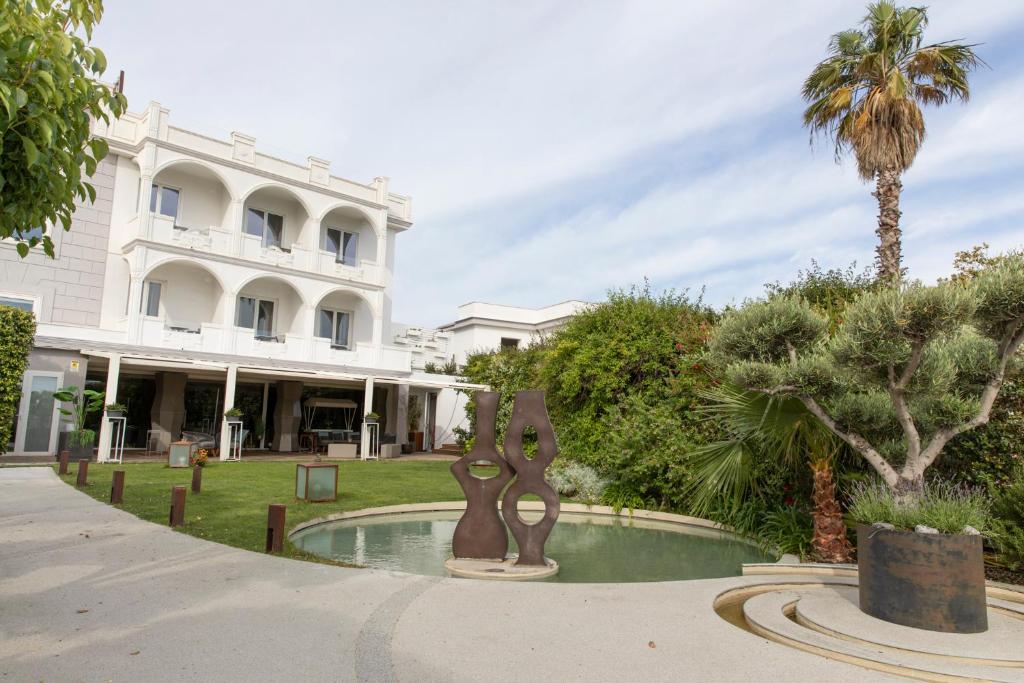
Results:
[589, 548]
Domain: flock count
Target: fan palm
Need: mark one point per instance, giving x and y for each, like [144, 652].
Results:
[867, 96]
[760, 426]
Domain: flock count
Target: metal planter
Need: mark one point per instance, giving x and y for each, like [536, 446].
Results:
[928, 581]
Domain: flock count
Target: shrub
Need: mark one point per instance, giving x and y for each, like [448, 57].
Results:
[644, 452]
[789, 529]
[944, 506]
[635, 344]
[1008, 510]
[17, 329]
[506, 371]
[577, 481]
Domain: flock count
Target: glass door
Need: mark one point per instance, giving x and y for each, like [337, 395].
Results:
[37, 416]
[265, 319]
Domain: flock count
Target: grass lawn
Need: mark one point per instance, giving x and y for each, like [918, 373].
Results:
[232, 507]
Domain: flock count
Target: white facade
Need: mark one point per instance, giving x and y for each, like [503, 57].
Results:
[207, 258]
[479, 327]
[485, 327]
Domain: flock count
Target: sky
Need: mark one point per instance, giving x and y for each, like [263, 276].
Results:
[557, 150]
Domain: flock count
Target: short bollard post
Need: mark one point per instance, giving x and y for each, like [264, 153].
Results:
[117, 487]
[65, 456]
[275, 528]
[83, 473]
[197, 478]
[177, 517]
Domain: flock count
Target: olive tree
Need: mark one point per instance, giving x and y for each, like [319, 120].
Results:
[908, 367]
[49, 92]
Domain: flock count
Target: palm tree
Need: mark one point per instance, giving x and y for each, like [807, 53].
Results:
[866, 97]
[759, 426]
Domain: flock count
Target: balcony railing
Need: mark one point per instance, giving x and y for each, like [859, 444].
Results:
[182, 335]
[219, 240]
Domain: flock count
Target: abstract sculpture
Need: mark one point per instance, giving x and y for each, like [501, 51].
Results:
[480, 533]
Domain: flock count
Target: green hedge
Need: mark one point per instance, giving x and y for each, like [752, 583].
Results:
[17, 328]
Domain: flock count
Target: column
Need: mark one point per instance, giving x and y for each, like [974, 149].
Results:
[229, 403]
[145, 199]
[402, 415]
[230, 305]
[168, 412]
[364, 440]
[236, 219]
[134, 306]
[307, 320]
[106, 427]
[287, 416]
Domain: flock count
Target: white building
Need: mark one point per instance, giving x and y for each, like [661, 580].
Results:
[208, 275]
[479, 327]
[485, 327]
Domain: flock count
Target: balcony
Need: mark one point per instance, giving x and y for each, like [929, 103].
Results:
[182, 306]
[268, 319]
[348, 246]
[362, 355]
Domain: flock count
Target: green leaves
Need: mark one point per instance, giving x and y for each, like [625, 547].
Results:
[766, 330]
[31, 151]
[17, 329]
[865, 94]
[48, 91]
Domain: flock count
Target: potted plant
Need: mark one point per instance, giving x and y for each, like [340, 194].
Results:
[233, 415]
[415, 413]
[116, 410]
[79, 439]
[371, 417]
[920, 559]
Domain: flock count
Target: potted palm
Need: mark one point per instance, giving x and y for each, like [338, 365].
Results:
[79, 439]
[116, 410]
[920, 559]
[233, 415]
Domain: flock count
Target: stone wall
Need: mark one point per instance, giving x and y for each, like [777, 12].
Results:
[68, 288]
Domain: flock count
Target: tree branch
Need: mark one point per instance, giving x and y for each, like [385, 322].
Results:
[1007, 348]
[897, 394]
[856, 441]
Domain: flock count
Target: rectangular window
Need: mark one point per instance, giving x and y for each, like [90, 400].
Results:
[344, 245]
[267, 226]
[351, 249]
[275, 230]
[257, 315]
[31, 233]
[164, 201]
[23, 304]
[150, 304]
[334, 325]
[254, 222]
[246, 312]
[509, 343]
[265, 319]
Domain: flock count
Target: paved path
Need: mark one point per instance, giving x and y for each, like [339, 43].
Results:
[90, 593]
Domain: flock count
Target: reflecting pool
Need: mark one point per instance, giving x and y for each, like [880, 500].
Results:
[589, 548]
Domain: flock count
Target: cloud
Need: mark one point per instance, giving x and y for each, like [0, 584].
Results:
[555, 150]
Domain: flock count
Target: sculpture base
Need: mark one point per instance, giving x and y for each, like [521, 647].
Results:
[499, 570]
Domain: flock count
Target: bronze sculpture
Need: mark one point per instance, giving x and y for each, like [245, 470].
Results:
[480, 533]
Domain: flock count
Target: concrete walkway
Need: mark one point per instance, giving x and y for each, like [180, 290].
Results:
[90, 593]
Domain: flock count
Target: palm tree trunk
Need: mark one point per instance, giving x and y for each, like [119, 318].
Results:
[830, 543]
[887, 192]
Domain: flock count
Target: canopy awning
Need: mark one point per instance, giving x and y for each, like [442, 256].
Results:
[330, 403]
